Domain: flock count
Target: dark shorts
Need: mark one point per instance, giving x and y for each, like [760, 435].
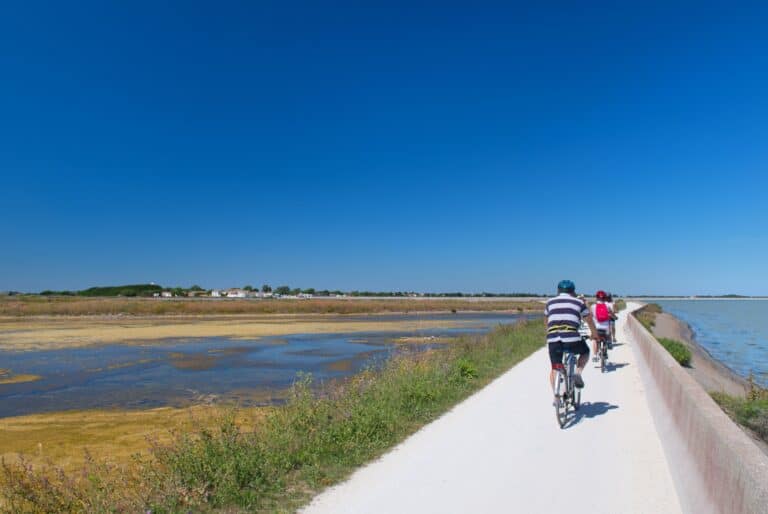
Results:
[556, 350]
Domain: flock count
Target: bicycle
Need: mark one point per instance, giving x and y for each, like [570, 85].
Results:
[566, 393]
[604, 344]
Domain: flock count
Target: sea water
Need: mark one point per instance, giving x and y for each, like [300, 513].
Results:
[183, 371]
[735, 332]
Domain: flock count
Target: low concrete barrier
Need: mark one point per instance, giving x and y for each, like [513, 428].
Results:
[716, 467]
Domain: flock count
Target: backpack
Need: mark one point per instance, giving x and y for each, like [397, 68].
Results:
[602, 313]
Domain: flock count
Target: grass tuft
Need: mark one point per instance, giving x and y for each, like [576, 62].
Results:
[678, 350]
[750, 412]
[647, 315]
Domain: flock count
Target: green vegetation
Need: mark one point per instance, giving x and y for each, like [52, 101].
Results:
[129, 290]
[647, 315]
[678, 350]
[750, 412]
[278, 461]
[620, 305]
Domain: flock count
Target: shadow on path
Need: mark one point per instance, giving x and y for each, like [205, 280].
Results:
[613, 366]
[592, 410]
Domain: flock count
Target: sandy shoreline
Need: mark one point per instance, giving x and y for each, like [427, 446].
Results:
[713, 375]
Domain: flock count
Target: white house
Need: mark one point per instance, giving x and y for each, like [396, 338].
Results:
[166, 294]
[216, 293]
[236, 293]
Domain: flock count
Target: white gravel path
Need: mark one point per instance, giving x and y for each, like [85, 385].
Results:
[501, 450]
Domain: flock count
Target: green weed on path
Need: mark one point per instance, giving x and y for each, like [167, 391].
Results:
[277, 462]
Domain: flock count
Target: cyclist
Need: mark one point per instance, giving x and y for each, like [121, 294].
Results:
[564, 313]
[602, 314]
[614, 317]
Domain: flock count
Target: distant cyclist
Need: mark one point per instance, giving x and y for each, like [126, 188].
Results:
[602, 314]
[564, 313]
[614, 317]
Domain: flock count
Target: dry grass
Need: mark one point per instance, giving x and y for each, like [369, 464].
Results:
[75, 306]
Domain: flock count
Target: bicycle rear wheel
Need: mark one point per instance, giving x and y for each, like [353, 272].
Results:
[561, 404]
[603, 355]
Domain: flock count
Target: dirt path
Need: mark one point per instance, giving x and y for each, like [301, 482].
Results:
[502, 451]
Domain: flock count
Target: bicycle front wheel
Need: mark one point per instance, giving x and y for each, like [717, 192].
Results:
[561, 405]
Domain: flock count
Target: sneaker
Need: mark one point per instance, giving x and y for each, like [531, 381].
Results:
[578, 381]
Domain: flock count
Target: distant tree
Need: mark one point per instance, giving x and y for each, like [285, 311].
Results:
[311, 290]
[196, 288]
[248, 288]
[295, 291]
[266, 288]
[178, 291]
[283, 290]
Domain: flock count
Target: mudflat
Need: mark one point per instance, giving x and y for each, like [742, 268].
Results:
[39, 333]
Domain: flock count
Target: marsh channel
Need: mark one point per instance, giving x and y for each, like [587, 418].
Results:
[181, 372]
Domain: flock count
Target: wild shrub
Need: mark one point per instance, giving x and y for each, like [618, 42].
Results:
[678, 350]
[647, 315]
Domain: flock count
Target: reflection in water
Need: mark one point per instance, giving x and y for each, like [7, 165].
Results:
[182, 371]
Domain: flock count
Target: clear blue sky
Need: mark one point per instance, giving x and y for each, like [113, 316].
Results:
[386, 147]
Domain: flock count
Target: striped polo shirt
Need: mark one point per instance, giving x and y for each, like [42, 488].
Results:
[564, 313]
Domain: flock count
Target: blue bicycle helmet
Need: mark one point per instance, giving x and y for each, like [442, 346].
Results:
[566, 286]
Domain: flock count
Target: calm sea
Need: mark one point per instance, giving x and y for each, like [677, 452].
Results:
[734, 331]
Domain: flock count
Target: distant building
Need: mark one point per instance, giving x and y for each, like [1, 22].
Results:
[216, 293]
[237, 293]
[166, 294]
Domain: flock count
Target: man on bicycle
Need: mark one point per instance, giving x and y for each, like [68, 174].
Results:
[602, 314]
[564, 313]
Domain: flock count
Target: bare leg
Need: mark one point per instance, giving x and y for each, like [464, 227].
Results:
[582, 362]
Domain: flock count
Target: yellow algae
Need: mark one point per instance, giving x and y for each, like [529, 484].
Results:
[64, 437]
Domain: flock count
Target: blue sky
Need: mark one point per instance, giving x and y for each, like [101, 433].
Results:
[493, 147]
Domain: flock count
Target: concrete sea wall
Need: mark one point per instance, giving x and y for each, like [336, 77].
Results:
[716, 467]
